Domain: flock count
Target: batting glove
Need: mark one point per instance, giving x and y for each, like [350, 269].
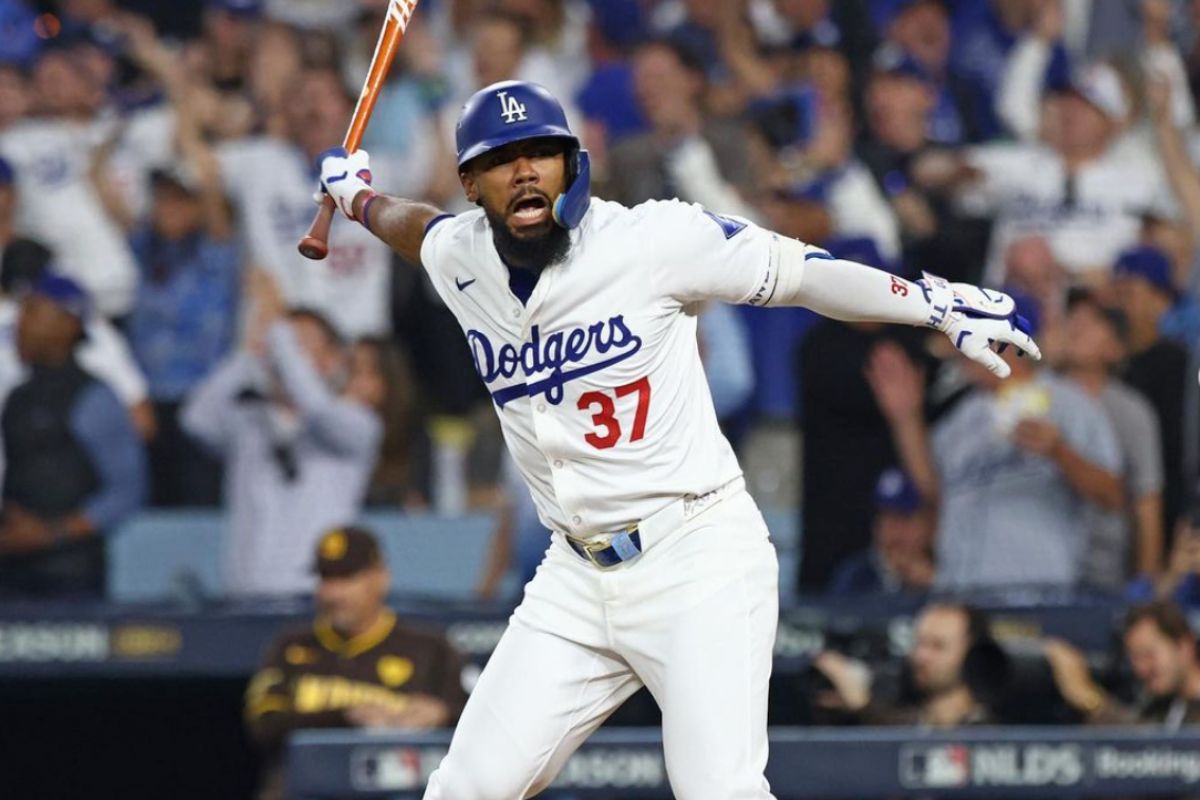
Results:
[975, 319]
[343, 176]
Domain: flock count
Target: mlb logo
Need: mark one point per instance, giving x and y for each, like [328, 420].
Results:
[386, 769]
[935, 766]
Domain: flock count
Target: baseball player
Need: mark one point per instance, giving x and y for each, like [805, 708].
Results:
[581, 316]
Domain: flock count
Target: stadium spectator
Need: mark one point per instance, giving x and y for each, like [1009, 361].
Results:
[1175, 237]
[104, 352]
[183, 322]
[800, 24]
[1161, 649]
[920, 29]
[1156, 366]
[299, 445]
[805, 178]
[1129, 540]
[901, 556]
[381, 378]
[223, 55]
[803, 140]
[607, 100]
[1031, 267]
[269, 182]
[725, 353]
[14, 95]
[451, 396]
[847, 443]
[981, 48]
[1039, 58]
[1011, 470]
[499, 44]
[1160, 58]
[52, 156]
[695, 26]
[944, 634]
[18, 44]
[85, 14]
[669, 85]
[356, 666]
[1180, 581]
[800, 145]
[1077, 190]
[75, 467]
[558, 31]
[897, 101]
[22, 254]
[316, 15]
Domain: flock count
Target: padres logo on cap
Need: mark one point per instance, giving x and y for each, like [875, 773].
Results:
[333, 546]
[394, 670]
[295, 654]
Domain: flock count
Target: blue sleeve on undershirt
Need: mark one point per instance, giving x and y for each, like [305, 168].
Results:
[106, 432]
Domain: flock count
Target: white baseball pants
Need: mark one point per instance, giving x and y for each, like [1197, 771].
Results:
[693, 618]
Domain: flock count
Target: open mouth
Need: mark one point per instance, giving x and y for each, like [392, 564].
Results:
[530, 210]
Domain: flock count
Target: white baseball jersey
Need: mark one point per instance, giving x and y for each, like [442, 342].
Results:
[271, 183]
[1087, 221]
[597, 381]
[59, 206]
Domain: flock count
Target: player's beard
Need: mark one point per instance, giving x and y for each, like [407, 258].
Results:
[534, 253]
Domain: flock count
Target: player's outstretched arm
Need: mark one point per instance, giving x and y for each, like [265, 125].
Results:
[346, 177]
[976, 320]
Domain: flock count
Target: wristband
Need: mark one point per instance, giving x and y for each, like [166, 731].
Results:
[365, 215]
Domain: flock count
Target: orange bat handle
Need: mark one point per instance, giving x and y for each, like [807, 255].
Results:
[315, 244]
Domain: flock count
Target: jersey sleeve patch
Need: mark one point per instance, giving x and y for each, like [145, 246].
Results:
[730, 227]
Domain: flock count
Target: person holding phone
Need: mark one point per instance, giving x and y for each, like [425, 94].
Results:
[1010, 470]
[1180, 582]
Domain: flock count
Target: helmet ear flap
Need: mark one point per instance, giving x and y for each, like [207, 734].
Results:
[571, 205]
[572, 165]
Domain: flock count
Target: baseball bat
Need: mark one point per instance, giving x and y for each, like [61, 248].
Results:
[315, 244]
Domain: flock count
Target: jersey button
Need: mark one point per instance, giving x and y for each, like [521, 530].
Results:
[577, 519]
[541, 408]
[516, 313]
[558, 463]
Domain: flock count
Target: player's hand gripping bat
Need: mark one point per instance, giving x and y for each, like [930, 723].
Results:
[315, 244]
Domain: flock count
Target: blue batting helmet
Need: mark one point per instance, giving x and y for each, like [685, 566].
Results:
[512, 111]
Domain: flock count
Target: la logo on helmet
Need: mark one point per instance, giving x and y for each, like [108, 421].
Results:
[511, 109]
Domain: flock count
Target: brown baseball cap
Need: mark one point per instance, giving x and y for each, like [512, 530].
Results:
[346, 551]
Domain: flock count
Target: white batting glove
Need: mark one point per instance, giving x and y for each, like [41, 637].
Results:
[975, 319]
[343, 176]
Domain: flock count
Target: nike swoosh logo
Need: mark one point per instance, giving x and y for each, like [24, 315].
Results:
[463, 284]
[337, 178]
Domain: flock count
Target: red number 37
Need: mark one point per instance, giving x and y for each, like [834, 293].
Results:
[606, 417]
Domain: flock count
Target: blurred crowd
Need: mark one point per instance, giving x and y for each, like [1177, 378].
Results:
[162, 343]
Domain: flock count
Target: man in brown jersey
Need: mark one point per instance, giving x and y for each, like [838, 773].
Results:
[356, 665]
